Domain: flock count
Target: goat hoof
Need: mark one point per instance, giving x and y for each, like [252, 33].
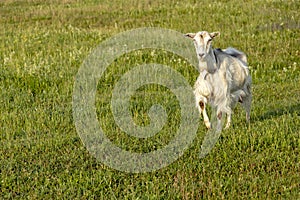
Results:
[227, 126]
[208, 125]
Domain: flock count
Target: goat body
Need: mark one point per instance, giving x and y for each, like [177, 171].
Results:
[224, 79]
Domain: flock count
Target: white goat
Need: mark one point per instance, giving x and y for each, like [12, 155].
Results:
[224, 78]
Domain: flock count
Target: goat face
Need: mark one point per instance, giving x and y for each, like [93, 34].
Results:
[202, 41]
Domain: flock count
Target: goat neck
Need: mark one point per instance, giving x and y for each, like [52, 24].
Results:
[209, 62]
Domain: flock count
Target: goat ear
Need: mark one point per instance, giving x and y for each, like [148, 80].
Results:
[214, 34]
[190, 35]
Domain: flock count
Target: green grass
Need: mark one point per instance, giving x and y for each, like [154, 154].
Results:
[42, 46]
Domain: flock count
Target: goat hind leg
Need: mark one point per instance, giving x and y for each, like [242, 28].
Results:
[247, 106]
[234, 100]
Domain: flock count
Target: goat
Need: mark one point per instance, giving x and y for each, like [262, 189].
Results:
[224, 78]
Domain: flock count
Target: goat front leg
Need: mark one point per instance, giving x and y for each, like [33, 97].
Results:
[219, 121]
[205, 116]
[228, 121]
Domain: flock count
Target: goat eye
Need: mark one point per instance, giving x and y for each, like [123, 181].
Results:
[210, 40]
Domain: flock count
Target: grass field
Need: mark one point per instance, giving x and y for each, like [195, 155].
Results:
[42, 46]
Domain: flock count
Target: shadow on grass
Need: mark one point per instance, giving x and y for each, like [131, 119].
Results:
[279, 112]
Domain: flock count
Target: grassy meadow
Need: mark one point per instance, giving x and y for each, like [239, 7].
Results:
[44, 43]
